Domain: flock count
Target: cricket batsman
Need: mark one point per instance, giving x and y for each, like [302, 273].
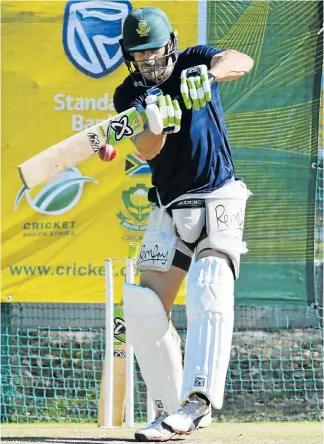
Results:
[199, 209]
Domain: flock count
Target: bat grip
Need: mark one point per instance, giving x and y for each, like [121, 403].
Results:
[118, 127]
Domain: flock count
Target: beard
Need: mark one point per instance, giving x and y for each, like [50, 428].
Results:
[158, 72]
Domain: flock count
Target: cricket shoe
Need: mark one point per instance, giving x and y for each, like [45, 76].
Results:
[193, 414]
[156, 431]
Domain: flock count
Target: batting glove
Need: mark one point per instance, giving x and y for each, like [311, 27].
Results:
[163, 114]
[195, 87]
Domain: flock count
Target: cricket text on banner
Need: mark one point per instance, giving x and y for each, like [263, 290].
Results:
[56, 237]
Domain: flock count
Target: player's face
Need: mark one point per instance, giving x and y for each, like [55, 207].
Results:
[153, 64]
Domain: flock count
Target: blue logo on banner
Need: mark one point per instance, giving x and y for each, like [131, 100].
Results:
[91, 31]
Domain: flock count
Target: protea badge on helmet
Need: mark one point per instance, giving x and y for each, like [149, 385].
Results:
[149, 29]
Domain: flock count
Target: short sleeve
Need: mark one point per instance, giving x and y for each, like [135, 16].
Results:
[201, 54]
[119, 102]
[123, 101]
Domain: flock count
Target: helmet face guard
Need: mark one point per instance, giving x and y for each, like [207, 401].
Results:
[148, 29]
[158, 69]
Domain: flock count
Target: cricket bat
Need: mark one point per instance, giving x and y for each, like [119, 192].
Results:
[79, 147]
[70, 152]
[119, 374]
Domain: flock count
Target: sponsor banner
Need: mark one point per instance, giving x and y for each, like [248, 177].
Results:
[60, 80]
[136, 164]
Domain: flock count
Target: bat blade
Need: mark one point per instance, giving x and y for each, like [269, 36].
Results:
[119, 393]
[79, 147]
[119, 388]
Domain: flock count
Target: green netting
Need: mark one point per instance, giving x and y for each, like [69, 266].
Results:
[319, 253]
[52, 355]
[272, 120]
[52, 358]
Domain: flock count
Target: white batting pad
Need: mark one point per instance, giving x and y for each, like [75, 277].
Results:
[210, 313]
[156, 346]
[159, 242]
[189, 222]
[225, 214]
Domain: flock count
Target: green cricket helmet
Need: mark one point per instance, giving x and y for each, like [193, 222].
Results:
[149, 29]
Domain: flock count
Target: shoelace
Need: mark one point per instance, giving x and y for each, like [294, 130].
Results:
[159, 418]
[189, 407]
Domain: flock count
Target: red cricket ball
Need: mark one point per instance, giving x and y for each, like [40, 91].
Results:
[107, 153]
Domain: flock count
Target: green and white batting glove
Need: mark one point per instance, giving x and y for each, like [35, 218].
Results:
[163, 114]
[195, 87]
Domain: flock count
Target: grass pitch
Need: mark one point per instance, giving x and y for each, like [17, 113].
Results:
[224, 433]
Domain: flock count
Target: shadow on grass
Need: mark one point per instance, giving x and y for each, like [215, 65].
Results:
[70, 440]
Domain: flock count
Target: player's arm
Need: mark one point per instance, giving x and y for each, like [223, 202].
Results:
[230, 65]
[224, 65]
[148, 143]
[163, 117]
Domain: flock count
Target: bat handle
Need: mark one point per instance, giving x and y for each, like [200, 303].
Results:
[120, 127]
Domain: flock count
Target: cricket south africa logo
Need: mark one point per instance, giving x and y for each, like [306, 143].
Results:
[143, 29]
[59, 196]
[91, 31]
[137, 206]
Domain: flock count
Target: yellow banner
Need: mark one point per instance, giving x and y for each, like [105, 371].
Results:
[60, 67]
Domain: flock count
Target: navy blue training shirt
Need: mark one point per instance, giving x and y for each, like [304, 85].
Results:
[197, 158]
